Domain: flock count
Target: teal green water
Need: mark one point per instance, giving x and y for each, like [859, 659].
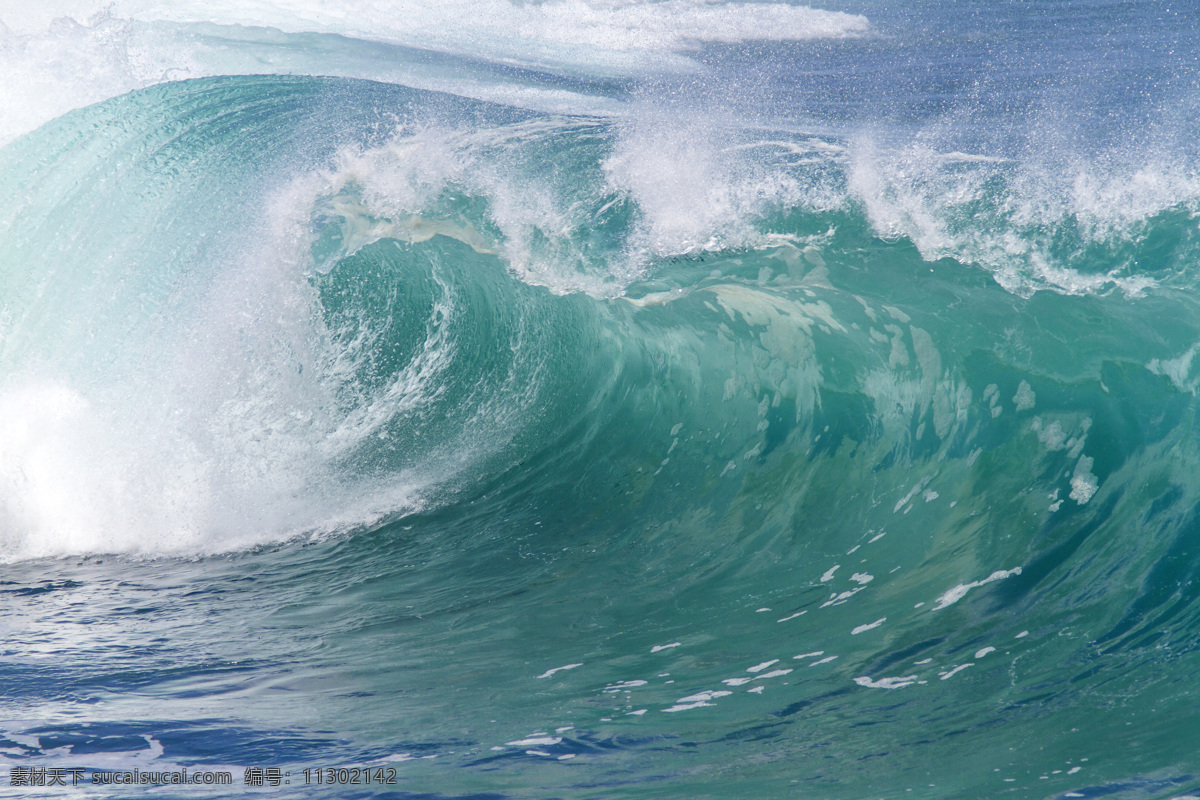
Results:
[348, 424]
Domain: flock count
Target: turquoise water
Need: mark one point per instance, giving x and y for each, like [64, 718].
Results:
[820, 426]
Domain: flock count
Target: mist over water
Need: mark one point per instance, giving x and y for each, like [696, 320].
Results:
[576, 399]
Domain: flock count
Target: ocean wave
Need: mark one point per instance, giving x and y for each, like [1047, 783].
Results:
[60, 59]
[584, 404]
[358, 324]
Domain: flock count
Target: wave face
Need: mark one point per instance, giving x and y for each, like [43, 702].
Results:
[680, 399]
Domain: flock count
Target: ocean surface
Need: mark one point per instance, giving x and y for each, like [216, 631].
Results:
[601, 398]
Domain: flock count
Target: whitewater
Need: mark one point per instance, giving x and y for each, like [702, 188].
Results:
[599, 398]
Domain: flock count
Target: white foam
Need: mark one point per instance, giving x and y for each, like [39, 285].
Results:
[104, 472]
[698, 180]
[1083, 483]
[837, 599]
[920, 485]
[550, 672]
[623, 685]
[392, 190]
[917, 192]
[699, 700]
[775, 673]
[233, 425]
[701, 697]
[1024, 399]
[535, 740]
[952, 672]
[952, 596]
[886, 683]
